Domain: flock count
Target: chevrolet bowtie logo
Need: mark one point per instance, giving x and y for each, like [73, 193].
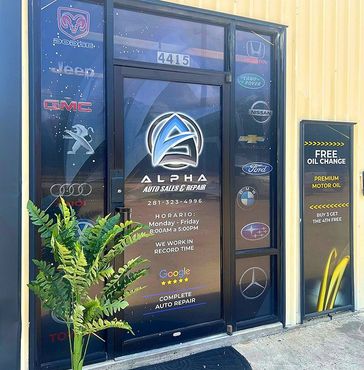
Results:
[251, 139]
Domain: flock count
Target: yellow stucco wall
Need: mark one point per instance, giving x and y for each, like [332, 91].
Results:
[325, 81]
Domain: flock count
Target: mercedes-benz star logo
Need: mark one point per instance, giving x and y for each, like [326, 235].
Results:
[253, 283]
[174, 141]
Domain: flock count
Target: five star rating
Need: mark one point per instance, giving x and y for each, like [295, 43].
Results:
[174, 281]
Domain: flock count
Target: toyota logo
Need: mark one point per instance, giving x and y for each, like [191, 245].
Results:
[253, 283]
[69, 190]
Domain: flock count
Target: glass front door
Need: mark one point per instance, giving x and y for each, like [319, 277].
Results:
[169, 127]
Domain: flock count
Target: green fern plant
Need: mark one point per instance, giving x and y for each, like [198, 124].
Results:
[81, 262]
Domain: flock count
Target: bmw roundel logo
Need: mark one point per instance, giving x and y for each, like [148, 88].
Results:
[246, 197]
[174, 141]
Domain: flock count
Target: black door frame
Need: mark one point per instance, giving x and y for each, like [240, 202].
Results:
[116, 165]
[231, 23]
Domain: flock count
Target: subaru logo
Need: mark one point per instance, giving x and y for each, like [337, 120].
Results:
[255, 49]
[174, 141]
[255, 231]
[251, 81]
[257, 168]
[74, 23]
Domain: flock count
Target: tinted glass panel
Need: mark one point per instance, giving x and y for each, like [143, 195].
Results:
[176, 192]
[254, 291]
[72, 131]
[255, 151]
[156, 39]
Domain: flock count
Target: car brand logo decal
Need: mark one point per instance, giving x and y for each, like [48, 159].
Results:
[56, 319]
[174, 141]
[260, 112]
[246, 197]
[72, 106]
[253, 283]
[67, 70]
[251, 81]
[251, 139]
[257, 168]
[71, 189]
[82, 137]
[255, 231]
[255, 49]
[84, 224]
[74, 23]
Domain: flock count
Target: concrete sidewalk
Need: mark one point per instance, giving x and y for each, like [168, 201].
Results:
[319, 344]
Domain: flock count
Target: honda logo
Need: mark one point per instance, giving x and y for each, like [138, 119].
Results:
[255, 49]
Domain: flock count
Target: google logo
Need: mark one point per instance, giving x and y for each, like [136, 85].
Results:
[164, 274]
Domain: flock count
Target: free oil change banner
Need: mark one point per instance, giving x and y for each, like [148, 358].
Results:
[172, 184]
[327, 258]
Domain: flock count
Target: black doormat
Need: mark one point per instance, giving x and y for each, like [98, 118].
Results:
[226, 358]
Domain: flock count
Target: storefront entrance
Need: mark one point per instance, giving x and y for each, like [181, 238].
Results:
[173, 117]
[168, 154]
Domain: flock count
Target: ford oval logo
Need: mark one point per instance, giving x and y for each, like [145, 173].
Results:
[257, 168]
[251, 81]
[255, 231]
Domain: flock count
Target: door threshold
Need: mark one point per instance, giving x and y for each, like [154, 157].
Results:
[185, 349]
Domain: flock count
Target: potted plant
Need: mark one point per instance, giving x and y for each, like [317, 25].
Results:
[82, 261]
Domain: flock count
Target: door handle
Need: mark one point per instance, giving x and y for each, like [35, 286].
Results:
[125, 213]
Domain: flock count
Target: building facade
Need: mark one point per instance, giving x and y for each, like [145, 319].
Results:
[231, 128]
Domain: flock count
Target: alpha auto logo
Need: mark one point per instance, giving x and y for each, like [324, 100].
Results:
[251, 81]
[74, 23]
[257, 168]
[255, 231]
[174, 141]
[260, 112]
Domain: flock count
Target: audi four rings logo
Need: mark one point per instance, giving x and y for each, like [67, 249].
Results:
[174, 141]
[69, 190]
[74, 23]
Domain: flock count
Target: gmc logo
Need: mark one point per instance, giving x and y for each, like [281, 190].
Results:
[72, 106]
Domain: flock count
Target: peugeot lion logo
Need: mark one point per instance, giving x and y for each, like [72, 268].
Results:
[74, 23]
[174, 141]
[257, 283]
[82, 137]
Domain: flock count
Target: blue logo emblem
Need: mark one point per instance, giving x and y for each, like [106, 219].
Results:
[246, 197]
[257, 168]
[84, 224]
[251, 81]
[174, 141]
[255, 231]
